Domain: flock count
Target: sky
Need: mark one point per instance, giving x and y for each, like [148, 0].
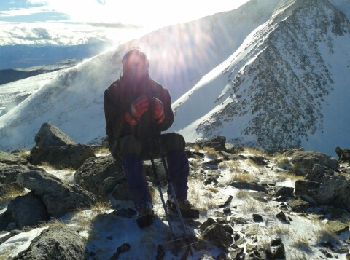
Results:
[150, 13]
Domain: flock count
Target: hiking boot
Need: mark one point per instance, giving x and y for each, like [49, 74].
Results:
[145, 217]
[186, 208]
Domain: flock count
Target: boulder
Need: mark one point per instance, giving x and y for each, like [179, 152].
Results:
[343, 154]
[304, 161]
[58, 197]
[55, 148]
[61, 157]
[333, 190]
[217, 233]
[100, 176]
[27, 210]
[286, 192]
[8, 179]
[50, 135]
[218, 143]
[276, 251]
[56, 242]
[298, 205]
[9, 173]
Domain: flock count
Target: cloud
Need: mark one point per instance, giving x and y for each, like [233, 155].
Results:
[24, 11]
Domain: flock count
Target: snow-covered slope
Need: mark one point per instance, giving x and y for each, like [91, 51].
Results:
[286, 86]
[179, 56]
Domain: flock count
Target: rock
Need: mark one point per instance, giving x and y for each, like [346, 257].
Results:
[59, 198]
[27, 210]
[11, 159]
[299, 206]
[218, 143]
[57, 242]
[61, 157]
[248, 186]
[257, 218]
[125, 213]
[100, 176]
[8, 180]
[57, 149]
[219, 234]
[212, 164]
[259, 160]
[333, 190]
[207, 223]
[50, 135]
[277, 250]
[303, 161]
[282, 217]
[227, 202]
[343, 154]
[9, 173]
[120, 250]
[283, 191]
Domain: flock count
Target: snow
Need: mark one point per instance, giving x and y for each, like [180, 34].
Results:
[19, 243]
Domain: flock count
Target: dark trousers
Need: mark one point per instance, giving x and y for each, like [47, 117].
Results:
[132, 152]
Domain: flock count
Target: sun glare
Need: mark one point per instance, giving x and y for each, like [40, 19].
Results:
[151, 13]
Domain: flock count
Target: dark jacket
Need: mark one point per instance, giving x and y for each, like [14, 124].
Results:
[117, 101]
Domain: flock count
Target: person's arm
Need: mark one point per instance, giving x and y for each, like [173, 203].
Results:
[115, 115]
[168, 112]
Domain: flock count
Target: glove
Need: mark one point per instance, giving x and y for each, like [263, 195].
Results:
[139, 107]
[130, 119]
[158, 113]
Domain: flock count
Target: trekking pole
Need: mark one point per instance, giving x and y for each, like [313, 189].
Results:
[162, 198]
[177, 207]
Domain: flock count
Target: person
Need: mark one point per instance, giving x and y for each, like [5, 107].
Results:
[137, 109]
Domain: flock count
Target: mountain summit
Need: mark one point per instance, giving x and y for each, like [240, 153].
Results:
[286, 86]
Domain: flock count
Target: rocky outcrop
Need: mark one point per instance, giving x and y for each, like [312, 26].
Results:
[57, 149]
[304, 161]
[100, 175]
[58, 197]
[57, 242]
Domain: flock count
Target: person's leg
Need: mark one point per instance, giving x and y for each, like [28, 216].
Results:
[178, 167]
[130, 149]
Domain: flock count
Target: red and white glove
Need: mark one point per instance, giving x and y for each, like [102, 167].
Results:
[158, 113]
[138, 108]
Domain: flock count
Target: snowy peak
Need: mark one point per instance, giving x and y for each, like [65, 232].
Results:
[272, 91]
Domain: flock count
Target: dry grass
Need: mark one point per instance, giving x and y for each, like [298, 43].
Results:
[101, 151]
[243, 195]
[232, 165]
[200, 196]
[301, 243]
[12, 192]
[211, 152]
[282, 162]
[54, 223]
[101, 207]
[255, 151]
[242, 177]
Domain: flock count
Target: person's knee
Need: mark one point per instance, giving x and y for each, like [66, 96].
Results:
[129, 145]
[173, 142]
